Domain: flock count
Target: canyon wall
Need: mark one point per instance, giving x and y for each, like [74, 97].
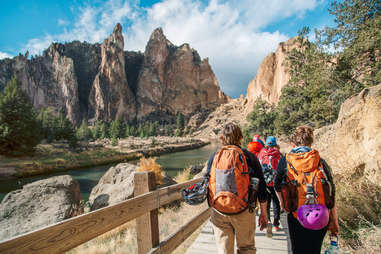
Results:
[103, 82]
[272, 76]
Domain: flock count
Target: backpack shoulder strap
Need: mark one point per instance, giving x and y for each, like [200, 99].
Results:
[290, 164]
[209, 166]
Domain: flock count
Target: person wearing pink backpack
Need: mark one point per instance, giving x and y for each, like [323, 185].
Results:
[269, 158]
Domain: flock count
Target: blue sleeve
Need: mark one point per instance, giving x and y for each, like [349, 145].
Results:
[210, 162]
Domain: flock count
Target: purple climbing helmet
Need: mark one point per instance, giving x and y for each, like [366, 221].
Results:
[313, 216]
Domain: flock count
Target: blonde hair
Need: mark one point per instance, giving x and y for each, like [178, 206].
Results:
[302, 136]
[231, 135]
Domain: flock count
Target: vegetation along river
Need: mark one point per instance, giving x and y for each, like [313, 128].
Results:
[89, 177]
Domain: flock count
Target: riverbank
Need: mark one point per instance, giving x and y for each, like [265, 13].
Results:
[52, 158]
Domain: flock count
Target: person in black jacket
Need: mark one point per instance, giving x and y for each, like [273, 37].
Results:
[241, 226]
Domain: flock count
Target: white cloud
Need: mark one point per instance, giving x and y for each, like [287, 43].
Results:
[62, 22]
[229, 32]
[4, 55]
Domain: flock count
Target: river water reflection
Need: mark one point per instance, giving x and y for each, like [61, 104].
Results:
[89, 177]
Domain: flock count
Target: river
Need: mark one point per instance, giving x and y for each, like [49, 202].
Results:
[89, 177]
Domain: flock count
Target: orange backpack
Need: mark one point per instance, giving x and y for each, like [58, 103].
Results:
[229, 181]
[302, 169]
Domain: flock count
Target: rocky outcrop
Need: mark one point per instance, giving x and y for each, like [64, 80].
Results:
[87, 59]
[102, 82]
[116, 185]
[234, 111]
[49, 80]
[110, 96]
[39, 204]
[272, 76]
[174, 79]
[353, 143]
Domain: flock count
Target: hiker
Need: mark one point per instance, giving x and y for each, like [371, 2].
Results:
[269, 158]
[256, 145]
[235, 183]
[305, 188]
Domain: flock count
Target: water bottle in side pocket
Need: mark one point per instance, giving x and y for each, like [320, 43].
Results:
[333, 246]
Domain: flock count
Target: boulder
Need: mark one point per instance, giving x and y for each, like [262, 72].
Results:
[116, 185]
[353, 143]
[39, 204]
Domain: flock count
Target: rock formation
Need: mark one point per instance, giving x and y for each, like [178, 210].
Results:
[209, 125]
[174, 79]
[110, 96]
[102, 82]
[39, 204]
[116, 185]
[353, 143]
[49, 80]
[271, 77]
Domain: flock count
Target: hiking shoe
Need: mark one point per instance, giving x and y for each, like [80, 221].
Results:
[269, 231]
[276, 229]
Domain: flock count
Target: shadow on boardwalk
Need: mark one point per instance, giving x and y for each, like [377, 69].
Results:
[278, 244]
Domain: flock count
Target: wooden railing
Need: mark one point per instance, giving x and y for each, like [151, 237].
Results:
[70, 233]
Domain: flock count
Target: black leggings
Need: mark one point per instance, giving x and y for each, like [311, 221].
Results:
[276, 207]
[304, 240]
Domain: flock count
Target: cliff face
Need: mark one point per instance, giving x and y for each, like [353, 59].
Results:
[272, 76]
[174, 79]
[353, 143]
[87, 59]
[49, 80]
[110, 95]
[102, 82]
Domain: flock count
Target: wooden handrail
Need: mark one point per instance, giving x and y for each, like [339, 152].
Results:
[174, 240]
[70, 233]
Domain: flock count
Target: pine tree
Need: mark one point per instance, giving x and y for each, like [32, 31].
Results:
[103, 130]
[180, 121]
[83, 132]
[262, 118]
[140, 131]
[116, 129]
[321, 79]
[151, 130]
[19, 132]
[127, 131]
[96, 131]
[133, 131]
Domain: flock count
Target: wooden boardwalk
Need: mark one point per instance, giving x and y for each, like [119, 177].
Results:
[278, 244]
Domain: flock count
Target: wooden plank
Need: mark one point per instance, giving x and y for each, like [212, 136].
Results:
[147, 225]
[70, 233]
[174, 240]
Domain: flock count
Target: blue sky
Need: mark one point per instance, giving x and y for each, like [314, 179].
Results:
[234, 34]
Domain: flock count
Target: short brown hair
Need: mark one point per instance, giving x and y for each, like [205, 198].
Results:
[231, 135]
[302, 136]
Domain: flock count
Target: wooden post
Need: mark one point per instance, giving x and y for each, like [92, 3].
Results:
[147, 225]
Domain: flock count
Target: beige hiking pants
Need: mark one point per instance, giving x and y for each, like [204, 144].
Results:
[241, 226]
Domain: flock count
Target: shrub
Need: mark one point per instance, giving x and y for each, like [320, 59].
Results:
[150, 164]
